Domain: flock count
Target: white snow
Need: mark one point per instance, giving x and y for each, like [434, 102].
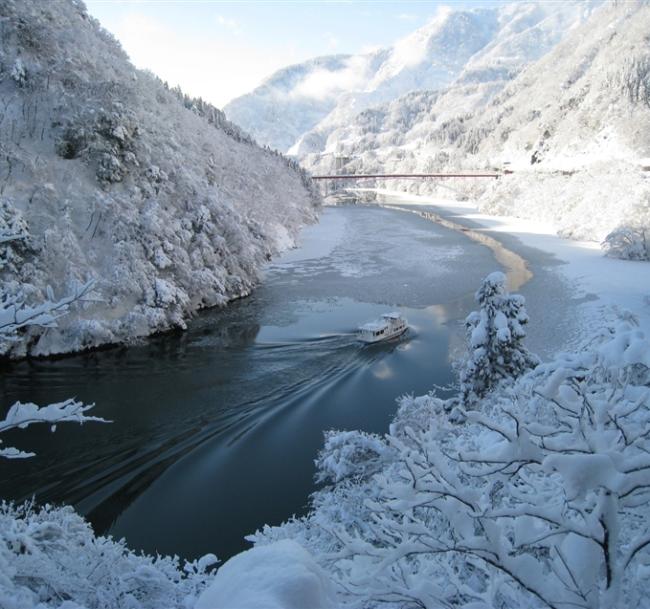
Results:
[281, 575]
[534, 496]
[50, 558]
[307, 108]
[173, 208]
[572, 126]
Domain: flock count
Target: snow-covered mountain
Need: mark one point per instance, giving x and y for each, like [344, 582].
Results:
[106, 173]
[573, 126]
[475, 48]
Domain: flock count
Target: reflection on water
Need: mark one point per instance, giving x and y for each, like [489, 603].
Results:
[215, 430]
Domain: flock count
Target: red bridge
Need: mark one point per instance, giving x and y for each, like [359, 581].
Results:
[400, 176]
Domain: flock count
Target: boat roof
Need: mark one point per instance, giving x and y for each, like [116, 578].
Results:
[392, 315]
[374, 325]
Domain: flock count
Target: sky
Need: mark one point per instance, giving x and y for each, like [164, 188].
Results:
[220, 49]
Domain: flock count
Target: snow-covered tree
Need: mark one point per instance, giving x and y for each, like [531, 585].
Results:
[628, 242]
[540, 499]
[350, 455]
[15, 315]
[50, 558]
[495, 335]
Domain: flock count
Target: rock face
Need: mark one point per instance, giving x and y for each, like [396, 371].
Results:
[106, 173]
[302, 108]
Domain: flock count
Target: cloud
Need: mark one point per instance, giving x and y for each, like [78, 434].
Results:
[203, 65]
[324, 83]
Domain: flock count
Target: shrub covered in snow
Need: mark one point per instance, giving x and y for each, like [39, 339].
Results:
[495, 335]
[629, 243]
[350, 454]
[50, 558]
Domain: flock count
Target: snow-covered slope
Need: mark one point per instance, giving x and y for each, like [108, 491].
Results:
[430, 57]
[106, 173]
[524, 33]
[575, 127]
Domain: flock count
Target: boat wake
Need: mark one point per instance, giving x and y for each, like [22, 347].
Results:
[274, 378]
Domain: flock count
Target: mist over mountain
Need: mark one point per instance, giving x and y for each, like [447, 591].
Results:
[476, 49]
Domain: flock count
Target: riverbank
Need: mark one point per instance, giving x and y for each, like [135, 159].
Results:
[595, 289]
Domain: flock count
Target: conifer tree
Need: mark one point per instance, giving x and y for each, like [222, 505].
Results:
[495, 335]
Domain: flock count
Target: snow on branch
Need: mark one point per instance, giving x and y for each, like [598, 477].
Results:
[545, 490]
[16, 314]
[22, 415]
[5, 237]
[539, 497]
[51, 558]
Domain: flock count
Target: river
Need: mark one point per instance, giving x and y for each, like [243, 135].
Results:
[214, 430]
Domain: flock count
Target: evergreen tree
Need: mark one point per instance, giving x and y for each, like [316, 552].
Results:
[495, 335]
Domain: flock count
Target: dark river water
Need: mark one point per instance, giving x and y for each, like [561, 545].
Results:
[214, 430]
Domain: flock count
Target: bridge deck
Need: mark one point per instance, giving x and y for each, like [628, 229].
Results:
[396, 176]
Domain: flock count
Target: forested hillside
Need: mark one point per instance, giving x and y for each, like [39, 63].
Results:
[107, 174]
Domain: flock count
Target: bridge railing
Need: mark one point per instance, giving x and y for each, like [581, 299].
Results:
[400, 176]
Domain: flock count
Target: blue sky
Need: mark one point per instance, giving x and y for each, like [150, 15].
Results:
[221, 49]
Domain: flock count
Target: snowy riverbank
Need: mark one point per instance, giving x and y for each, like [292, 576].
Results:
[601, 286]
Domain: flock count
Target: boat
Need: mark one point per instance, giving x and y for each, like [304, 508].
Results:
[387, 326]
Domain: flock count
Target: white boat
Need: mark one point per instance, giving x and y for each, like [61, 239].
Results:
[387, 326]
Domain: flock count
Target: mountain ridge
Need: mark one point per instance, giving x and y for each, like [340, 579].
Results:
[430, 58]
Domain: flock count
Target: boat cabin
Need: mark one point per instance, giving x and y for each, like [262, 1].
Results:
[388, 326]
